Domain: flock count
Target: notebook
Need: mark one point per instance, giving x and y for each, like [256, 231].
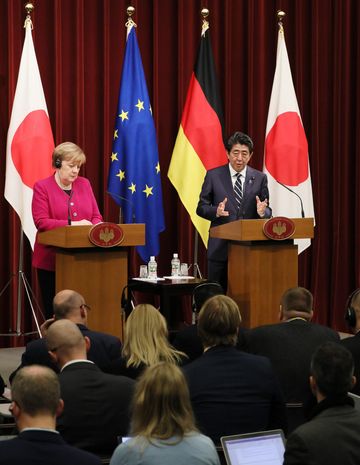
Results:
[260, 448]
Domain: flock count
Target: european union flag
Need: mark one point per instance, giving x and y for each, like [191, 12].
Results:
[134, 172]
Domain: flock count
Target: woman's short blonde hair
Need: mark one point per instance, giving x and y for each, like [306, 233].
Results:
[161, 406]
[70, 152]
[146, 338]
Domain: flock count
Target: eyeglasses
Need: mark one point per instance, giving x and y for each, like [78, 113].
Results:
[244, 154]
[86, 306]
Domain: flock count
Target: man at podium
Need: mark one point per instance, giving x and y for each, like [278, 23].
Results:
[65, 198]
[232, 192]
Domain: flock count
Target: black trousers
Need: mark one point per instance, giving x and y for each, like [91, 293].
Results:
[47, 288]
[218, 271]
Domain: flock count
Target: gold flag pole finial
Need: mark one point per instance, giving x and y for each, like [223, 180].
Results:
[29, 7]
[280, 16]
[130, 10]
[205, 23]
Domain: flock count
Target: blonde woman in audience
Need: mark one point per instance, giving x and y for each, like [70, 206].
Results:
[162, 424]
[145, 343]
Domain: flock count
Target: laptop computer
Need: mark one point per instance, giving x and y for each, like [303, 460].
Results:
[259, 448]
[356, 399]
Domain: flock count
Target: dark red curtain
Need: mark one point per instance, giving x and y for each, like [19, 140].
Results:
[79, 46]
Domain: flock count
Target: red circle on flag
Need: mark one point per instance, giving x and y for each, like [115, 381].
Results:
[286, 150]
[32, 147]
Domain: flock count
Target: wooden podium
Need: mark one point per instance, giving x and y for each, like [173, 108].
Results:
[97, 273]
[260, 269]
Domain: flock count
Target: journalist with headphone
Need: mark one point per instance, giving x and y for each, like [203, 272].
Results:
[352, 317]
[64, 198]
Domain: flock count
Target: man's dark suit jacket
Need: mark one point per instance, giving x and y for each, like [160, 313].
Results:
[103, 349]
[96, 409]
[290, 346]
[188, 341]
[353, 345]
[234, 392]
[218, 185]
[34, 447]
[330, 438]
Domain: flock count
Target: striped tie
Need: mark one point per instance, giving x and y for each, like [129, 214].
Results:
[238, 190]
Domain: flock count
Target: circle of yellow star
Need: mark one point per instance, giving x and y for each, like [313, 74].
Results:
[148, 191]
[123, 115]
[121, 175]
[132, 188]
[114, 157]
[140, 105]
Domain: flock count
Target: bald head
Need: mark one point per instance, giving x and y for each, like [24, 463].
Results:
[68, 304]
[36, 390]
[66, 342]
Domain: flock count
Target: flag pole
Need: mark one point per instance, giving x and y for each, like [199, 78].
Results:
[29, 7]
[280, 16]
[205, 25]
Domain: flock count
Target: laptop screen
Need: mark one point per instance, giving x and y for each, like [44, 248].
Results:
[356, 399]
[261, 448]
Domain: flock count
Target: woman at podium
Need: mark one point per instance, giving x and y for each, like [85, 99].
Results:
[65, 198]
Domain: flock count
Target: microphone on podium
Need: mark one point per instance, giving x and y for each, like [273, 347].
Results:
[69, 204]
[297, 195]
[125, 200]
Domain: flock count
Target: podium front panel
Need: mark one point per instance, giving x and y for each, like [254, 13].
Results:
[99, 275]
[258, 275]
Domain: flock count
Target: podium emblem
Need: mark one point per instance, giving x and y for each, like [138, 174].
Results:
[279, 228]
[106, 234]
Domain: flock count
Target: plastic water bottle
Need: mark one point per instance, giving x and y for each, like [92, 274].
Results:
[175, 265]
[152, 268]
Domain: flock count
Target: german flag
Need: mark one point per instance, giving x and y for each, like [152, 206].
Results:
[199, 144]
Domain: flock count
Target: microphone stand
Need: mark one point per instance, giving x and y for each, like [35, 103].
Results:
[121, 216]
[297, 195]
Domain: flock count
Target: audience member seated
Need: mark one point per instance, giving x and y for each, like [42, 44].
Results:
[188, 339]
[96, 408]
[145, 343]
[71, 305]
[35, 404]
[231, 391]
[331, 437]
[352, 316]
[162, 426]
[290, 345]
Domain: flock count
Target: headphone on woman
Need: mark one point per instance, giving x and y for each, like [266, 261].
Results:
[350, 313]
[58, 163]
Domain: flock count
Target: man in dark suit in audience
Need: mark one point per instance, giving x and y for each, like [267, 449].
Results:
[231, 391]
[35, 404]
[70, 305]
[96, 408]
[290, 344]
[188, 339]
[331, 437]
[352, 316]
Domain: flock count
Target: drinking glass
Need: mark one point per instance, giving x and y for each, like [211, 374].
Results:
[143, 271]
